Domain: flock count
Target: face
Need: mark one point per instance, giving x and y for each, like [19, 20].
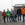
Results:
[7, 9]
[4, 10]
[11, 9]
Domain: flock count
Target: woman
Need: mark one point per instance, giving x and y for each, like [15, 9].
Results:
[8, 14]
[4, 14]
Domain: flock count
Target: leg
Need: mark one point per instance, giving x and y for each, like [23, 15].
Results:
[23, 18]
[7, 18]
[15, 18]
[11, 18]
[4, 19]
[18, 17]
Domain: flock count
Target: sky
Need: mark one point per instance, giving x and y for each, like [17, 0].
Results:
[7, 4]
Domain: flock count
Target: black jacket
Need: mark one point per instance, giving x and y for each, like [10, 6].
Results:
[19, 11]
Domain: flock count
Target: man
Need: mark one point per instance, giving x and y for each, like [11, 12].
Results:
[19, 13]
[8, 14]
[15, 14]
[12, 14]
[23, 12]
[4, 14]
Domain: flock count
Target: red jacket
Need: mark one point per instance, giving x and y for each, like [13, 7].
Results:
[3, 13]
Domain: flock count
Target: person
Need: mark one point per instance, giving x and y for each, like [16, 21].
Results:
[19, 13]
[11, 14]
[23, 12]
[8, 13]
[4, 15]
[15, 14]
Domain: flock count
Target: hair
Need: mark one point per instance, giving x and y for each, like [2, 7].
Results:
[4, 10]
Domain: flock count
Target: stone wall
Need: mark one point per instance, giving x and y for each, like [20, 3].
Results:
[1, 17]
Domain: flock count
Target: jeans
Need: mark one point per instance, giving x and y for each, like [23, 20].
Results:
[18, 17]
[14, 19]
[23, 17]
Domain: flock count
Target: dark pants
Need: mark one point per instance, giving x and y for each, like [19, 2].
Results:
[23, 17]
[4, 18]
[11, 17]
[14, 19]
[18, 17]
[7, 18]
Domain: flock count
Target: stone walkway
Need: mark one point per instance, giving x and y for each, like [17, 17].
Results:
[13, 23]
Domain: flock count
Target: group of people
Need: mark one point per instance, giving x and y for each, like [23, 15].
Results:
[13, 14]
[8, 14]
